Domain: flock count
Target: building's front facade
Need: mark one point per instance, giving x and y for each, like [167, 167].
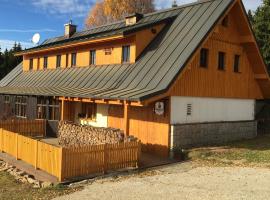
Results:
[186, 76]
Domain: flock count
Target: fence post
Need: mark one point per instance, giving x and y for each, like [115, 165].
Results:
[17, 146]
[105, 166]
[36, 155]
[2, 140]
[61, 162]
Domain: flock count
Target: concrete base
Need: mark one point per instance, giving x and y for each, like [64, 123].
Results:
[198, 135]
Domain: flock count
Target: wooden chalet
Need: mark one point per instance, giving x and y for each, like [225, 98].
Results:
[181, 77]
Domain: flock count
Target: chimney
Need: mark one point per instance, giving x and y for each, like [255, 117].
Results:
[133, 19]
[174, 4]
[70, 29]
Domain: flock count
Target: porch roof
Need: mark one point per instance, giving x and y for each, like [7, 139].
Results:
[152, 74]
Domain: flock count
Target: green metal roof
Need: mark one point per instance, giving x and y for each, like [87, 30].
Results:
[153, 73]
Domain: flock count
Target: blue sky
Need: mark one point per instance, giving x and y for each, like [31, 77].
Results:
[20, 19]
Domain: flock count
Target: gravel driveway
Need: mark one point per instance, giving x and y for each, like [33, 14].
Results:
[183, 181]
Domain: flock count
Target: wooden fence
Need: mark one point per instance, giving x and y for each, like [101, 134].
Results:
[32, 128]
[66, 163]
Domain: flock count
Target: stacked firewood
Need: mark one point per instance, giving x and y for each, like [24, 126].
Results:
[72, 135]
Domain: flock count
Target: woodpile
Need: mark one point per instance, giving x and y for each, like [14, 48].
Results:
[73, 135]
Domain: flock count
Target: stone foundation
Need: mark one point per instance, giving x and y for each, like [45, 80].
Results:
[198, 135]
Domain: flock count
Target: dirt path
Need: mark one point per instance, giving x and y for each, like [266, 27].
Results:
[183, 181]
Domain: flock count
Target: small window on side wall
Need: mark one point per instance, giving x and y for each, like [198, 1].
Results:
[45, 63]
[67, 60]
[126, 54]
[204, 58]
[92, 57]
[58, 61]
[236, 66]
[221, 60]
[73, 59]
[31, 64]
[38, 64]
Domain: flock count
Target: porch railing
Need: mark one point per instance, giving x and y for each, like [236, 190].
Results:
[31, 128]
[67, 163]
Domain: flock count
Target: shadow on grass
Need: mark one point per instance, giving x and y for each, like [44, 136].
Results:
[261, 143]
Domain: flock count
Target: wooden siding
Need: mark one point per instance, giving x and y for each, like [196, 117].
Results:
[83, 54]
[144, 37]
[137, 42]
[66, 163]
[151, 129]
[211, 82]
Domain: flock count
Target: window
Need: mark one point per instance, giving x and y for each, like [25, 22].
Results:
[20, 106]
[66, 60]
[6, 103]
[225, 21]
[73, 59]
[7, 99]
[126, 54]
[45, 63]
[41, 108]
[236, 63]
[204, 58]
[221, 60]
[38, 63]
[58, 61]
[89, 111]
[92, 57]
[189, 109]
[48, 108]
[31, 64]
[54, 113]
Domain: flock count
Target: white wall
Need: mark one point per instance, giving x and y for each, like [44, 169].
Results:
[102, 117]
[211, 110]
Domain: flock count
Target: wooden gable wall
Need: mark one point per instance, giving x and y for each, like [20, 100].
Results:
[211, 82]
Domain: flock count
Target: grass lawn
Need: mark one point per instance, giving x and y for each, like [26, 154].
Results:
[11, 189]
[250, 153]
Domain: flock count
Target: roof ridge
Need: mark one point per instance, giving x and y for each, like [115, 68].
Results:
[152, 13]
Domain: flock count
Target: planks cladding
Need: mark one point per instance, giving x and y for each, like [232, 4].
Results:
[151, 129]
[211, 82]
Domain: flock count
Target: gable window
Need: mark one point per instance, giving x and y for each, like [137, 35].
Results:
[236, 66]
[20, 106]
[89, 111]
[58, 61]
[45, 63]
[92, 57]
[31, 64]
[204, 58]
[126, 54]
[73, 59]
[225, 21]
[67, 60]
[221, 60]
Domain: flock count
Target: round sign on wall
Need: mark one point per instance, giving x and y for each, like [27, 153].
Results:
[159, 108]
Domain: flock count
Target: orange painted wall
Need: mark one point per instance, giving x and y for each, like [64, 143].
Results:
[137, 42]
[151, 129]
[211, 82]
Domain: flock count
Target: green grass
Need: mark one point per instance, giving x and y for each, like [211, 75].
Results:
[11, 189]
[255, 152]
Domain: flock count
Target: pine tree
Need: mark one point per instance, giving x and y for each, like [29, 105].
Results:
[261, 26]
[8, 60]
